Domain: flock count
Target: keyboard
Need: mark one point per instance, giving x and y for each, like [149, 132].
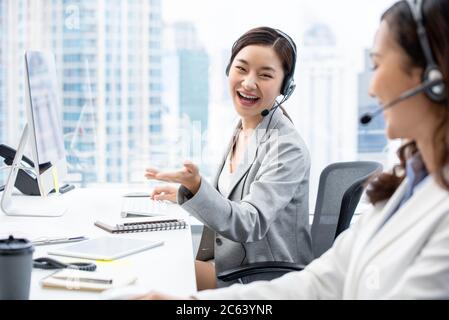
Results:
[144, 206]
[50, 206]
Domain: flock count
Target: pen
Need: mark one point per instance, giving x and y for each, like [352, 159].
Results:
[44, 241]
[90, 280]
[137, 195]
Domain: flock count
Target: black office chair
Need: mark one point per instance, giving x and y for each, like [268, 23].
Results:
[340, 188]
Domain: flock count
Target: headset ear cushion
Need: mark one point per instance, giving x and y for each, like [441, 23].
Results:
[436, 93]
[288, 89]
[285, 86]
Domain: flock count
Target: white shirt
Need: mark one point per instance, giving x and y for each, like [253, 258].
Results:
[408, 258]
[225, 176]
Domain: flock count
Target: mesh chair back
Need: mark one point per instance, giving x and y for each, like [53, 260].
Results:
[339, 191]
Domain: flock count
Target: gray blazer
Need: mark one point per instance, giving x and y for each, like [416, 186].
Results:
[270, 222]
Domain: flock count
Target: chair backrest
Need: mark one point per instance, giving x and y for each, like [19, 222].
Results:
[340, 188]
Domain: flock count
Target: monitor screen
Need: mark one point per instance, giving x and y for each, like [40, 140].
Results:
[43, 131]
[45, 109]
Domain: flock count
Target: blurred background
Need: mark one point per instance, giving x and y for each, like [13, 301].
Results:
[142, 82]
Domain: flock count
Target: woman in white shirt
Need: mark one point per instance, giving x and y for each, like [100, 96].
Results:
[401, 249]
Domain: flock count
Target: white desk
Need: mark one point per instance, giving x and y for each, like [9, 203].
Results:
[168, 268]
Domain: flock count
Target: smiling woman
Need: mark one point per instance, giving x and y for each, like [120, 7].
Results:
[254, 86]
[256, 209]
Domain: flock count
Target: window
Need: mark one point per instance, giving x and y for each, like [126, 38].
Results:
[175, 53]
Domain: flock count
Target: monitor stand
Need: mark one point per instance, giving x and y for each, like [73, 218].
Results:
[29, 206]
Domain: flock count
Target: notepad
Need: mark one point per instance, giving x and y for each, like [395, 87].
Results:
[142, 225]
[106, 248]
[84, 280]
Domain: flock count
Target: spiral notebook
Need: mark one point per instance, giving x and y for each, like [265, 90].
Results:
[143, 225]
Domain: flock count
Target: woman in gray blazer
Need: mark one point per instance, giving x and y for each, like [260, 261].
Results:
[256, 208]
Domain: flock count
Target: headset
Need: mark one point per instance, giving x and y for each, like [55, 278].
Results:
[288, 84]
[436, 93]
[432, 79]
[51, 264]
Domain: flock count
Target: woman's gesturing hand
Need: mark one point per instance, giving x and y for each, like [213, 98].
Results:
[188, 176]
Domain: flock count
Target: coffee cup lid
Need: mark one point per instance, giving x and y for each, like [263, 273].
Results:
[14, 246]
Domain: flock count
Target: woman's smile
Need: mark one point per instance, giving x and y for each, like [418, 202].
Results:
[246, 99]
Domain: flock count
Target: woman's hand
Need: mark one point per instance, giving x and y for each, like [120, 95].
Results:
[188, 176]
[165, 192]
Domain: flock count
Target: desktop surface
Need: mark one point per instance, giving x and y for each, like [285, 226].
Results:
[168, 268]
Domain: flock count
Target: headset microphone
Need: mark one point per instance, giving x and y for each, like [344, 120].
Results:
[367, 117]
[287, 95]
[265, 112]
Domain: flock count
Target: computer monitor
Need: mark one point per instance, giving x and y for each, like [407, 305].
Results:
[44, 132]
[43, 114]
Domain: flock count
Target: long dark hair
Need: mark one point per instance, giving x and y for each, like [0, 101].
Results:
[267, 36]
[403, 27]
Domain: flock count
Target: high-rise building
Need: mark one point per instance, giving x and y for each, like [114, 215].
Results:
[194, 95]
[193, 63]
[325, 115]
[186, 100]
[371, 137]
[108, 56]
[15, 26]
[222, 116]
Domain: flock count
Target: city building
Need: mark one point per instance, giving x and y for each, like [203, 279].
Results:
[108, 56]
[322, 107]
[186, 93]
